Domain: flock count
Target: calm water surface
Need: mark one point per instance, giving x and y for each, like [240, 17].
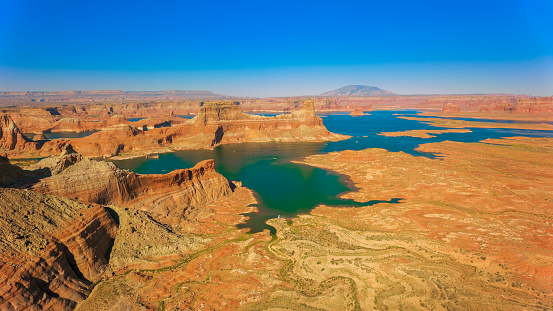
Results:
[288, 189]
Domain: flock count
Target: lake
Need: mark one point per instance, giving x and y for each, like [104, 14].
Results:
[288, 189]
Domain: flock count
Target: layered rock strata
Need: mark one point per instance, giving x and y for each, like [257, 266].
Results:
[170, 197]
[449, 107]
[11, 138]
[237, 126]
[52, 250]
[216, 123]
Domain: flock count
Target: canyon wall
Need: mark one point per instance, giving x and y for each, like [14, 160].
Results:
[216, 123]
[12, 139]
[69, 221]
[169, 196]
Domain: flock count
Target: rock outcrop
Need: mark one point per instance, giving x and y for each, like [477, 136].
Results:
[216, 123]
[172, 197]
[11, 175]
[141, 237]
[158, 122]
[527, 106]
[357, 112]
[220, 111]
[449, 107]
[236, 126]
[39, 137]
[106, 143]
[11, 138]
[52, 250]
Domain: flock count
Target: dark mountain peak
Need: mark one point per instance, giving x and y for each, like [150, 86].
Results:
[358, 90]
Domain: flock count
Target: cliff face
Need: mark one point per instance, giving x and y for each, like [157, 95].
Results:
[449, 107]
[527, 106]
[220, 111]
[51, 250]
[237, 126]
[171, 197]
[11, 138]
[105, 143]
[219, 122]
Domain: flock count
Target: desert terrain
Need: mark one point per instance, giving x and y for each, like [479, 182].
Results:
[471, 229]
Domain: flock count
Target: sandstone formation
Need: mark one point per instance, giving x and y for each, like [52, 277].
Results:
[216, 123]
[39, 137]
[237, 126]
[12, 139]
[10, 173]
[158, 122]
[357, 112]
[449, 107]
[52, 250]
[209, 262]
[150, 209]
[171, 197]
[526, 106]
[220, 111]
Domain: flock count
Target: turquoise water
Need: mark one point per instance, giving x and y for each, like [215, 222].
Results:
[288, 189]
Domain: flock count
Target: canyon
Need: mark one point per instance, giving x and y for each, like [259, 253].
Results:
[216, 123]
[67, 215]
[468, 228]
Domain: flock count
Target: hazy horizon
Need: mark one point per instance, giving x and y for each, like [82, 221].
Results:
[251, 49]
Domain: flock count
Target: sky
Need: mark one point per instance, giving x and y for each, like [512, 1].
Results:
[278, 48]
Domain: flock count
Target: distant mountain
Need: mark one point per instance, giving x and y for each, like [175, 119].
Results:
[358, 90]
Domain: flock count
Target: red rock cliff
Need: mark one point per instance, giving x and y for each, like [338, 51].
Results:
[170, 196]
[11, 138]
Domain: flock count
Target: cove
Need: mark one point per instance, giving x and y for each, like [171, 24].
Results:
[289, 189]
[281, 187]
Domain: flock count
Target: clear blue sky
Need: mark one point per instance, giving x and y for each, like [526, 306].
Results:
[279, 47]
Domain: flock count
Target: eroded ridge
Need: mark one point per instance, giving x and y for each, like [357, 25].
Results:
[473, 231]
[216, 123]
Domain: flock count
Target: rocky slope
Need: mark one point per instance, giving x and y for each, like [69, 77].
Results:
[170, 197]
[52, 250]
[150, 209]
